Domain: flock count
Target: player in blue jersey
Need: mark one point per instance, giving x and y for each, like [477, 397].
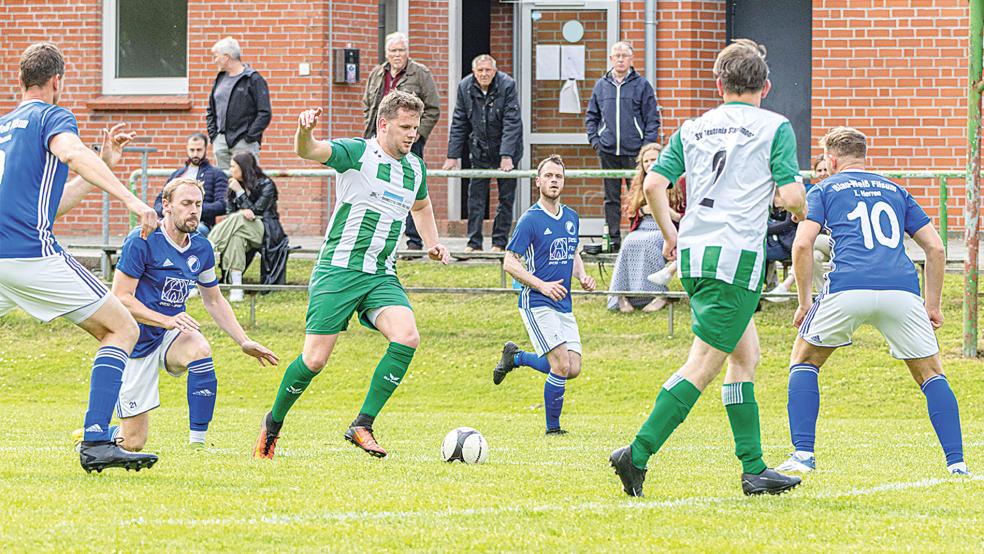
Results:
[546, 237]
[153, 278]
[39, 144]
[873, 282]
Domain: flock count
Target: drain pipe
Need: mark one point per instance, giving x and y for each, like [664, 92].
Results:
[650, 30]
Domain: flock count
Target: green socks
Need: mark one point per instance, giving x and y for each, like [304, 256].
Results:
[673, 403]
[387, 377]
[296, 379]
[743, 413]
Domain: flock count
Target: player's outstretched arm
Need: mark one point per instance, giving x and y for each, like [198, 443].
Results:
[929, 240]
[124, 287]
[305, 145]
[654, 188]
[587, 281]
[423, 217]
[218, 307]
[512, 265]
[111, 152]
[806, 235]
[68, 147]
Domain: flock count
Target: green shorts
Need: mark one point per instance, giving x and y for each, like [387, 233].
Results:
[720, 311]
[336, 293]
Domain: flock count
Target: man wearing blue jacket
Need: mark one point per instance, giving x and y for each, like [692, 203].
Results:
[622, 116]
[215, 181]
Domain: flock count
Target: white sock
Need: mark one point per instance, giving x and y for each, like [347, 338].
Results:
[196, 436]
[236, 278]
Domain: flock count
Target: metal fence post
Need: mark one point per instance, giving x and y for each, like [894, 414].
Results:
[944, 223]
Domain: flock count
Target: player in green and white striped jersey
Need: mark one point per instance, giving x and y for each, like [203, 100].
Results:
[734, 156]
[379, 182]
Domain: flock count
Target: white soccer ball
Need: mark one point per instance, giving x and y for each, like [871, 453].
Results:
[464, 444]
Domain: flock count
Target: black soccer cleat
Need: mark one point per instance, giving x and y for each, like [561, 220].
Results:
[769, 481]
[632, 477]
[506, 363]
[556, 432]
[99, 455]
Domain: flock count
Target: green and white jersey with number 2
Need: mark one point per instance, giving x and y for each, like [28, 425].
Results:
[374, 194]
[734, 157]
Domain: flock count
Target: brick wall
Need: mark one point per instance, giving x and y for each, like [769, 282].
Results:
[898, 72]
[869, 56]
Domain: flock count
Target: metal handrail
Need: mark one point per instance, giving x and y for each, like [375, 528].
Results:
[942, 177]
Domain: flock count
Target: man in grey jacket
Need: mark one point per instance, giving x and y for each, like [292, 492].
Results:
[399, 72]
[622, 116]
[488, 120]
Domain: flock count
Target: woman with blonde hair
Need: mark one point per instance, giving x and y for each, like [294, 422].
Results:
[642, 249]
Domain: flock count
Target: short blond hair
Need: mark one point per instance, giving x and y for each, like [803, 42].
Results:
[396, 100]
[741, 67]
[845, 141]
[173, 185]
[552, 158]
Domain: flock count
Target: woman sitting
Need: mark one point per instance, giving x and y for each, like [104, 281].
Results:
[251, 203]
[642, 250]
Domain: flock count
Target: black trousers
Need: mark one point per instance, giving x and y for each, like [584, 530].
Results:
[613, 194]
[414, 242]
[478, 205]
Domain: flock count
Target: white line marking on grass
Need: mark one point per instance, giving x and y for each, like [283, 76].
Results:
[278, 519]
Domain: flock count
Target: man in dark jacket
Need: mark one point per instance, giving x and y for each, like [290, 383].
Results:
[238, 107]
[622, 116]
[487, 118]
[216, 183]
[402, 73]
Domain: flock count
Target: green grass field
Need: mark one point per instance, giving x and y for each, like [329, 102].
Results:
[881, 484]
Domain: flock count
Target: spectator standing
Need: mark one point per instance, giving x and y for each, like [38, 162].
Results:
[487, 118]
[622, 116]
[252, 221]
[642, 252]
[238, 107]
[399, 72]
[214, 180]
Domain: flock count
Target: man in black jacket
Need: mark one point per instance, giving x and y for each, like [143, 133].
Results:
[487, 118]
[238, 107]
[622, 116]
[215, 181]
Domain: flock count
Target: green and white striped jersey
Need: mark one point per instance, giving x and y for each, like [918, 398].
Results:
[374, 194]
[734, 157]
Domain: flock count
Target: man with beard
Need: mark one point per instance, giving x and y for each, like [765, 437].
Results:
[152, 280]
[543, 257]
[216, 183]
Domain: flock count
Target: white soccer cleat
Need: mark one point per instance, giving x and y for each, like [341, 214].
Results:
[662, 277]
[959, 468]
[798, 463]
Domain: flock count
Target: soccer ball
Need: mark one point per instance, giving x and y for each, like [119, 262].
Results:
[464, 444]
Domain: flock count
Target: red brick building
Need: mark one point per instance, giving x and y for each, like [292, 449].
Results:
[895, 69]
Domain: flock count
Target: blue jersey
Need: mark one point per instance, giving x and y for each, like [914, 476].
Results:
[166, 272]
[31, 178]
[548, 243]
[867, 214]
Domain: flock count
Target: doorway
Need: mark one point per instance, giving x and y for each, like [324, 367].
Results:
[790, 56]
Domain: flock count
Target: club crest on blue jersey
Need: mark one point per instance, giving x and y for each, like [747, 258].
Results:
[194, 264]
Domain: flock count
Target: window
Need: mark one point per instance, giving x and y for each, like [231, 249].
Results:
[145, 47]
[392, 18]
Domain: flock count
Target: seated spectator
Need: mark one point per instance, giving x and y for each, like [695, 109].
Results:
[678, 207]
[215, 181]
[642, 249]
[821, 247]
[252, 224]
